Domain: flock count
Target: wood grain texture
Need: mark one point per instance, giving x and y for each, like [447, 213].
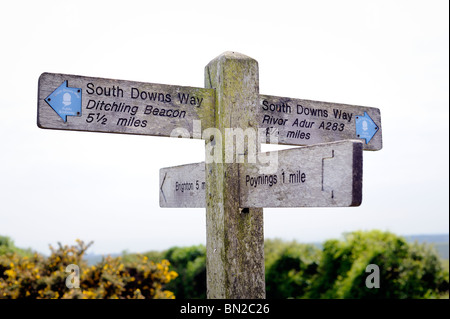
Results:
[235, 238]
[323, 175]
[168, 110]
[299, 122]
[154, 109]
[182, 186]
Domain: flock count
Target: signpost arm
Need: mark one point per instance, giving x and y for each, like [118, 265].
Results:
[235, 238]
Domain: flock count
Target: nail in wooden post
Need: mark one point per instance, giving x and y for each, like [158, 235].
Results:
[235, 238]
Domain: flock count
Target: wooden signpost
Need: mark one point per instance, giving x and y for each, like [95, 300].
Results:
[323, 175]
[305, 122]
[182, 186]
[327, 173]
[80, 103]
[71, 102]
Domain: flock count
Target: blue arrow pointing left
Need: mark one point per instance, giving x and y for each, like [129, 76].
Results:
[65, 101]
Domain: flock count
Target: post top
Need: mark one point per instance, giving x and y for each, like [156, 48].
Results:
[232, 55]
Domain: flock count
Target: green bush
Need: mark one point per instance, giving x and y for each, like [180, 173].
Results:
[291, 272]
[406, 270]
[190, 264]
[337, 270]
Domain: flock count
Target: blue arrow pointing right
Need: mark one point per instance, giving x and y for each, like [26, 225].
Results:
[365, 127]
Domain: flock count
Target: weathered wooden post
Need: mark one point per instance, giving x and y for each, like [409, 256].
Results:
[234, 234]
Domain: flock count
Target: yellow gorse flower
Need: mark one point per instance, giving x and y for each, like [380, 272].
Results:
[35, 276]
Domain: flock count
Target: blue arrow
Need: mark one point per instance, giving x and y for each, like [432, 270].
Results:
[65, 101]
[365, 127]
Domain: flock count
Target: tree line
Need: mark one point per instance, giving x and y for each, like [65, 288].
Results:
[338, 269]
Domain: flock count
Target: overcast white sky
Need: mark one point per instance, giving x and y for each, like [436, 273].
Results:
[62, 185]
